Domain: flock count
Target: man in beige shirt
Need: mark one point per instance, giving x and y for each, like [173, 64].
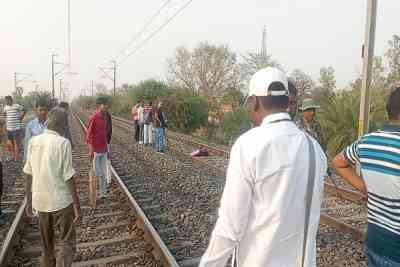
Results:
[53, 192]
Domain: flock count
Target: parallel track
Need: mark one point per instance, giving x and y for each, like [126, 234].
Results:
[116, 233]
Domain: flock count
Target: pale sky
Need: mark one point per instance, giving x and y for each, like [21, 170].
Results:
[305, 34]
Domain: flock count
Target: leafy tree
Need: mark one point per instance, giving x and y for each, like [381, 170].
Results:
[233, 97]
[208, 70]
[149, 90]
[186, 110]
[303, 82]
[253, 62]
[393, 57]
[235, 123]
[327, 84]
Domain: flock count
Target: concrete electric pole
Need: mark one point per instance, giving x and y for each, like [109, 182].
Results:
[368, 56]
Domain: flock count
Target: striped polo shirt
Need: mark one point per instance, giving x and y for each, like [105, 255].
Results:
[379, 156]
[13, 117]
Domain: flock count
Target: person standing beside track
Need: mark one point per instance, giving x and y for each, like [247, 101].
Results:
[15, 114]
[262, 215]
[96, 138]
[135, 118]
[53, 192]
[65, 107]
[160, 120]
[148, 124]
[378, 154]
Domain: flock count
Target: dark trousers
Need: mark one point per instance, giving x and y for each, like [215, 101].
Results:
[1, 182]
[136, 129]
[62, 220]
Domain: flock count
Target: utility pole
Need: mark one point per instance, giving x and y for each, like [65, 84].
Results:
[115, 74]
[368, 54]
[60, 89]
[92, 87]
[52, 76]
[264, 43]
[15, 81]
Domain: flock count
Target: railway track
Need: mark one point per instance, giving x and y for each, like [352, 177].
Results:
[116, 233]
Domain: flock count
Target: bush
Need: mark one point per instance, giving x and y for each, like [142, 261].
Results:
[235, 123]
[186, 111]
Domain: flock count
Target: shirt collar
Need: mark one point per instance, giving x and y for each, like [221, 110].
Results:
[47, 131]
[275, 117]
[391, 128]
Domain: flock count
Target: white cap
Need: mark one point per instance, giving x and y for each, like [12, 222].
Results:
[262, 79]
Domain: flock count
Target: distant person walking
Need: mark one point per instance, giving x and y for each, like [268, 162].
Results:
[37, 125]
[135, 118]
[14, 114]
[141, 122]
[148, 124]
[96, 137]
[65, 107]
[270, 207]
[53, 193]
[378, 154]
[160, 121]
[109, 136]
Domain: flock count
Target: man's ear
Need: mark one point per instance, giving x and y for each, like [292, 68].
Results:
[252, 103]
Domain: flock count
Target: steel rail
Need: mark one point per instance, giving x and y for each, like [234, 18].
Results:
[12, 236]
[160, 252]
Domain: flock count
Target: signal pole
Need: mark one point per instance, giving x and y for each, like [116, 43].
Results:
[52, 76]
[115, 74]
[368, 55]
[60, 89]
[92, 86]
[15, 81]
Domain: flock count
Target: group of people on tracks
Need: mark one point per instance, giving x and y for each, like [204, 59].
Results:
[50, 184]
[150, 123]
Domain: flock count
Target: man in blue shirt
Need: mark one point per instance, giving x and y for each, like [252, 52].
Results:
[378, 154]
[37, 125]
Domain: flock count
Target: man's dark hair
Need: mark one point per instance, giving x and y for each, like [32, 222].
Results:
[64, 105]
[42, 103]
[292, 88]
[275, 102]
[57, 120]
[393, 104]
[9, 98]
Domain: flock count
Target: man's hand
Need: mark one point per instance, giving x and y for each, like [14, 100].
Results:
[91, 152]
[77, 213]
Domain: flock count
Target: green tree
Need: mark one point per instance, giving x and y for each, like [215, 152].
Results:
[235, 123]
[303, 83]
[253, 62]
[393, 58]
[327, 84]
[186, 110]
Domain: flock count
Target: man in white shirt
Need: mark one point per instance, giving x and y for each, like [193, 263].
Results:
[263, 208]
[53, 191]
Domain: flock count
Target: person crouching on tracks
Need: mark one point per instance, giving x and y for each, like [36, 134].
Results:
[378, 154]
[96, 137]
[53, 191]
[270, 207]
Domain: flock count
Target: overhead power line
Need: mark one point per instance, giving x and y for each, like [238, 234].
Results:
[145, 41]
[139, 33]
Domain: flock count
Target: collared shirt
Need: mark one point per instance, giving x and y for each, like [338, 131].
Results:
[96, 135]
[49, 161]
[33, 128]
[379, 156]
[261, 215]
[13, 114]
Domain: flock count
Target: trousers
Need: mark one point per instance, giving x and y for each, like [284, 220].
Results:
[160, 139]
[62, 221]
[148, 133]
[100, 169]
[376, 260]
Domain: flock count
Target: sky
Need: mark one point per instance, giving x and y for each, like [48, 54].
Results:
[304, 34]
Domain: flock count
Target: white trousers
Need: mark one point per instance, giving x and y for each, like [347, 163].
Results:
[148, 133]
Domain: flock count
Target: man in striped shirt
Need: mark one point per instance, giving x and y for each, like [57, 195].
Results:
[14, 114]
[379, 156]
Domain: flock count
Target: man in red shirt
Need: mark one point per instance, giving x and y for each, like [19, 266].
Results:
[96, 137]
